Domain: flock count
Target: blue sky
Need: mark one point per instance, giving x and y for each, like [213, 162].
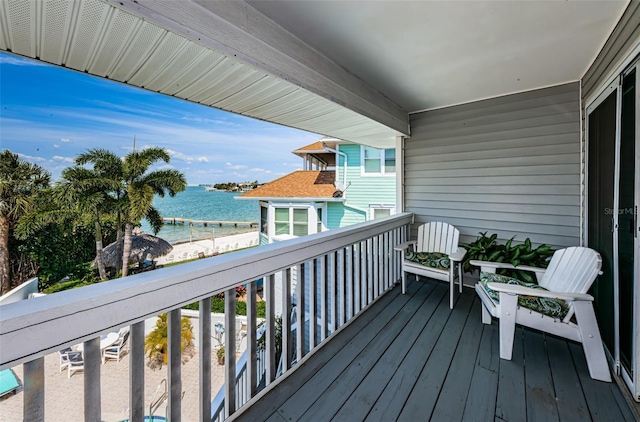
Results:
[50, 115]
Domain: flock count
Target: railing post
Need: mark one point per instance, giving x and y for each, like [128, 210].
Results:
[136, 372]
[324, 266]
[33, 404]
[204, 359]
[92, 360]
[300, 313]
[313, 303]
[230, 352]
[175, 361]
[333, 290]
[342, 289]
[357, 284]
[349, 281]
[286, 320]
[252, 357]
[271, 331]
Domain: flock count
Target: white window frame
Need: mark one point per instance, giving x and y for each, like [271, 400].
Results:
[382, 172]
[373, 207]
[312, 218]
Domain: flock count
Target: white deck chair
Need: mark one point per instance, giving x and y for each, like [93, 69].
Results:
[570, 274]
[115, 350]
[76, 363]
[439, 238]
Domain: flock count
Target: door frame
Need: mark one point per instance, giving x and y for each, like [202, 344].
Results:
[632, 380]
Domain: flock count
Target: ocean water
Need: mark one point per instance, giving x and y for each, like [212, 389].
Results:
[197, 204]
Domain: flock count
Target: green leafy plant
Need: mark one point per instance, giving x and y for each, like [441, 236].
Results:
[156, 344]
[486, 248]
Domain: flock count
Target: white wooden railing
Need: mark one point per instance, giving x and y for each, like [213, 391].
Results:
[362, 267]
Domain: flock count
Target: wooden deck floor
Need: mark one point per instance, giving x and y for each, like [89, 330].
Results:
[409, 357]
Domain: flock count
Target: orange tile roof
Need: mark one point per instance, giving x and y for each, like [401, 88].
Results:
[316, 146]
[299, 184]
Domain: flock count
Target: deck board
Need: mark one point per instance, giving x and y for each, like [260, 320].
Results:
[359, 402]
[541, 399]
[510, 403]
[409, 357]
[425, 393]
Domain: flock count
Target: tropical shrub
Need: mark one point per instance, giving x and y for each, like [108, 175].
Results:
[156, 344]
[486, 248]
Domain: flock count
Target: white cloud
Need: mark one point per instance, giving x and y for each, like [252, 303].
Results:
[65, 140]
[166, 167]
[56, 146]
[30, 157]
[64, 159]
[235, 166]
[203, 159]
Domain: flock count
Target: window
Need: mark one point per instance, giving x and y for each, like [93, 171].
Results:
[319, 220]
[371, 160]
[378, 162]
[381, 211]
[389, 160]
[282, 221]
[300, 222]
[264, 220]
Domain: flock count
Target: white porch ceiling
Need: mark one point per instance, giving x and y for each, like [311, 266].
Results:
[345, 69]
[432, 54]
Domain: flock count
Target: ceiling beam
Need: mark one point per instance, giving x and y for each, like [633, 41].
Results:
[237, 29]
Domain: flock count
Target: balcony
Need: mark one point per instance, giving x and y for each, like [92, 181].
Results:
[403, 357]
[409, 357]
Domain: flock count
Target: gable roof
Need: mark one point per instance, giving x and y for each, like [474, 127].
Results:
[301, 184]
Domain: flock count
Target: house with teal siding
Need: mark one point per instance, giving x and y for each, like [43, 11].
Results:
[341, 184]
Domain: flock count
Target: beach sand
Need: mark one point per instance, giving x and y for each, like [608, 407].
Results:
[190, 250]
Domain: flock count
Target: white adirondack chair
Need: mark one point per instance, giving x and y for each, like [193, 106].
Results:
[570, 274]
[435, 237]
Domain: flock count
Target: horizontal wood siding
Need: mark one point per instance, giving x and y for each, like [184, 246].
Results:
[507, 165]
[340, 216]
[366, 190]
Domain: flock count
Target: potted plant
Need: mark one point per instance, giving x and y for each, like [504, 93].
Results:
[486, 248]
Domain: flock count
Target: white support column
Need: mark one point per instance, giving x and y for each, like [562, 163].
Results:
[136, 372]
[333, 290]
[342, 289]
[399, 174]
[313, 308]
[33, 385]
[357, 281]
[92, 360]
[204, 359]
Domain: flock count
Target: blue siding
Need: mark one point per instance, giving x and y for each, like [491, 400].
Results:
[364, 190]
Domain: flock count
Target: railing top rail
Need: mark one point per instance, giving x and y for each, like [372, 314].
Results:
[43, 325]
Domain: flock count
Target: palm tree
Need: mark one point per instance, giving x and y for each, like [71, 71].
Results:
[19, 183]
[141, 187]
[108, 167]
[88, 192]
